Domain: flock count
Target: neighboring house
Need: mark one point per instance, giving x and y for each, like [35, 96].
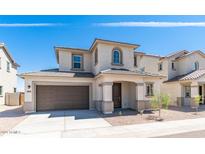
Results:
[112, 75]
[8, 73]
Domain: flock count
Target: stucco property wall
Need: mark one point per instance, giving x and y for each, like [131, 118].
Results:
[7, 79]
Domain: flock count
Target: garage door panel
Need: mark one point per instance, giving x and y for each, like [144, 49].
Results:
[62, 97]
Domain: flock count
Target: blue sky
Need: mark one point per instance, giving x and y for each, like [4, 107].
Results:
[31, 39]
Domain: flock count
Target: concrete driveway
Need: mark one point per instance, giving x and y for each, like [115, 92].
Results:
[54, 123]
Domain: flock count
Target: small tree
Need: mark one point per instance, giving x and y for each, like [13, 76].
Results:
[156, 103]
[159, 101]
[165, 99]
[196, 101]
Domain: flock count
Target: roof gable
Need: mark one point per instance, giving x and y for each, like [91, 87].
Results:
[96, 41]
[6, 52]
[191, 53]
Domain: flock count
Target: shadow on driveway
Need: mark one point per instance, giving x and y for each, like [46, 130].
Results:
[14, 112]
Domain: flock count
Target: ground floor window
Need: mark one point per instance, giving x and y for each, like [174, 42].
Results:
[149, 89]
[1, 90]
[187, 91]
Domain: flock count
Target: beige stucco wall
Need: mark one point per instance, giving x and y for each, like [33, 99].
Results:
[7, 79]
[65, 60]
[150, 63]
[105, 57]
[186, 64]
[128, 95]
[174, 90]
[129, 84]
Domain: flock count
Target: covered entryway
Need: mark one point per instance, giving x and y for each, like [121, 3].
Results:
[52, 97]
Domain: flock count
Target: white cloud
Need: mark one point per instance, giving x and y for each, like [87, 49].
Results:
[30, 24]
[151, 24]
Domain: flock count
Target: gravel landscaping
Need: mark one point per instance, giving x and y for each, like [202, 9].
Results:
[10, 116]
[128, 117]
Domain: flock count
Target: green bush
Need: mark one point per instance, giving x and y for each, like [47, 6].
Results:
[197, 99]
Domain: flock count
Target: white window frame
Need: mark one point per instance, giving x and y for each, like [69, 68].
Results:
[135, 61]
[119, 58]
[160, 67]
[196, 65]
[187, 90]
[81, 61]
[96, 56]
[8, 68]
[149, 92]
[173, 66]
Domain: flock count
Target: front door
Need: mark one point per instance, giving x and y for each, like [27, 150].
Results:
[116, 95]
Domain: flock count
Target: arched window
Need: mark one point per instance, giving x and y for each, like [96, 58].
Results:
[196, 65]
[117, 57]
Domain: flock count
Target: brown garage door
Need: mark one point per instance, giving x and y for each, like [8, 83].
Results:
[61, 97]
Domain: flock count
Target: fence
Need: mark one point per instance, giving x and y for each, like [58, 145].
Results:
[14, 99]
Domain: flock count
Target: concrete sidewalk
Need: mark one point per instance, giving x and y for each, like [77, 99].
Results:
[141, 130]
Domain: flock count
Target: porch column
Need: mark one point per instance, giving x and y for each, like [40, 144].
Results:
[140, 103]
[107, 103]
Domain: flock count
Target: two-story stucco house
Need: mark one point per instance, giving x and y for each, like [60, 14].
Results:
[8, 73]
[112, 75]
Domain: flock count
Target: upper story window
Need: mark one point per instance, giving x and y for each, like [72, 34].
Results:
[135, 61]
[77, 61]
[173, 66]
[96, 56]
[117, 57]
[196, 65]
[8, 67]
[149, 89]
[160, 66]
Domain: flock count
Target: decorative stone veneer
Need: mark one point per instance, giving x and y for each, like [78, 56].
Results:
[107, 107]
[142, 105]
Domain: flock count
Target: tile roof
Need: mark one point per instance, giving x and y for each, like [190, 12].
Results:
[126, 71]
[177, 52]
[57, 72]
[189, 76]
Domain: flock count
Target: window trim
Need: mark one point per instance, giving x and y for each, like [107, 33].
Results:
[82, 61]
[160, 67]
[187, 89]
[147, 84]
[135, 61]
[96, 56]
[196, 63]
[173, 68]
[120, 57]
[8, 67]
